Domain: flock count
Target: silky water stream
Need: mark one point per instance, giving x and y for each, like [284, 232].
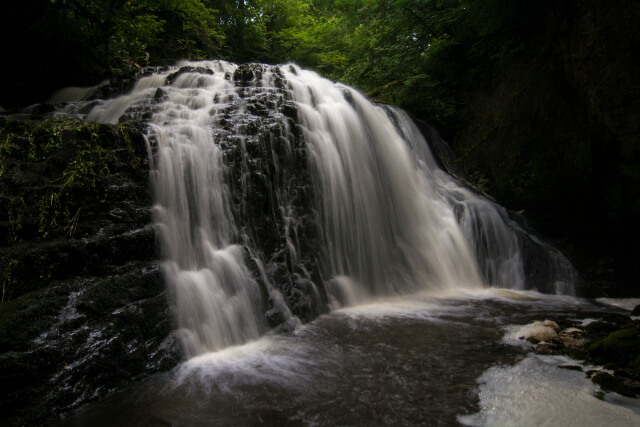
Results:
[403, 260]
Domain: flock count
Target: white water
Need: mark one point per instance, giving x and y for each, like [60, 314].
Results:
[387, 230]
[537, 392]
[217, 301]
[216, 298]
[391, 221]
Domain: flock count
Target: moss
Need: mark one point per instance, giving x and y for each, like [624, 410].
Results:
[603, 328]
[129, 132]
[50, 165]
[85, 168]
[620, 341]
[619, 350]
[48, 135]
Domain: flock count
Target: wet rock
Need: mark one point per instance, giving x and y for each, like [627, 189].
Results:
[613, 344]
[183, 70]
[245, 74]
[159, 95]
[84, 310]
[572, 338]
[635, 311]
[620, 349]
[571, 367]
[612, 383]
[546, 348]
[122, 83]
[273, 197]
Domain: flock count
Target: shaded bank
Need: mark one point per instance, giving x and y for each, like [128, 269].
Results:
[553, 129]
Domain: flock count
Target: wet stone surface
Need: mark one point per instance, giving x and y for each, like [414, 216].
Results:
[84, 310]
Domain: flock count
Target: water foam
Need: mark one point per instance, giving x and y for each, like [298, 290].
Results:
[536, 392]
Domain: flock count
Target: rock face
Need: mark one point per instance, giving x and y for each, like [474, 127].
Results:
[273, 196]
[542, 263]
[83, 309]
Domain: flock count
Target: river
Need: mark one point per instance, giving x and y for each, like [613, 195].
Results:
[423, 360]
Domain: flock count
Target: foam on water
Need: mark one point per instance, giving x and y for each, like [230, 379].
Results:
[536, 392]
[516, 334]
[272, 360]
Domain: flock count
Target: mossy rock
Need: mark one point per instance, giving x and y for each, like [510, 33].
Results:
[612, 383]
[619, 350]
[575, 354]
[600, 327]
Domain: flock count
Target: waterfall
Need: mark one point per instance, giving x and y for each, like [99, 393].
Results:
[279, 194]
[386, 229]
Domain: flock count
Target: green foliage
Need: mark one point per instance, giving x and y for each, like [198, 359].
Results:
[128, 133]
[53, 215]
[122, 35]
[70, 156]
[45, 138]
[85, 168]
[416, 53]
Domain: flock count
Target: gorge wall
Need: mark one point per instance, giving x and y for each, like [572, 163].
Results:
[554, 131]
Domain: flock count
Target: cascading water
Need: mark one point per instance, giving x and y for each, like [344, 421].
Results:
[279, 191]
[385, 228]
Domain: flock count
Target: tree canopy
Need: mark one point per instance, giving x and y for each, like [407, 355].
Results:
[394, 49]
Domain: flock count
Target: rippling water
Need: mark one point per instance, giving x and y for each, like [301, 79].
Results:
[420, 360]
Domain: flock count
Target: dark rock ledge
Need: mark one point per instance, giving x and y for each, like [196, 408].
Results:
[83, 310]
